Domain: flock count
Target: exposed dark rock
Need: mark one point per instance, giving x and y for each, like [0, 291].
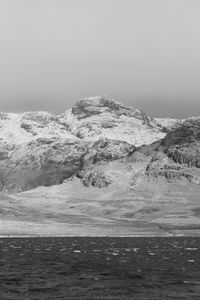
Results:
[94, 177]
[186, 155]
[4, 154]
[188, 132]
[163, 165]
[107, 150]
[45, 140]
[28, 128]
[96, 106]
[182, 145]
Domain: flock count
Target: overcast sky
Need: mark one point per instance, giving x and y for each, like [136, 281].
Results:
[145, 53]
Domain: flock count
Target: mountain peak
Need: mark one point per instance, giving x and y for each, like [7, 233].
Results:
[98, 117]
[88, 106]
[103, 105]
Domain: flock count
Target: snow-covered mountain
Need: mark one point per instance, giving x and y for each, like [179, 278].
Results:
[99, 168]
[39, 148]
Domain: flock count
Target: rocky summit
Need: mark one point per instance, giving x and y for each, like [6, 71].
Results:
[99, 164]
[99, 117]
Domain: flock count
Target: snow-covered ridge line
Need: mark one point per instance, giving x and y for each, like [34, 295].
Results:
[89, 119]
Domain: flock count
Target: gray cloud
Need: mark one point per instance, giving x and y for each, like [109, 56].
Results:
[142, 52]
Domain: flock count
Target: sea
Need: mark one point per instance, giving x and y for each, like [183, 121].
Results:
[100, 268]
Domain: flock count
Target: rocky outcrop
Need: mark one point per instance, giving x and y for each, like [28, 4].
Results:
[161, 165]
[187, 155]
[182, 145]
[93, 106]
[107, 150]
[94, 177]
[188, 132]
[177, 156]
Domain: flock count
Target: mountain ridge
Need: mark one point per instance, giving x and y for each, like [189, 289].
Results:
[24, 126]
[39, 144]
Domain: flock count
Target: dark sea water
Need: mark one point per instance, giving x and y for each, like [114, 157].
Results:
[100, 268]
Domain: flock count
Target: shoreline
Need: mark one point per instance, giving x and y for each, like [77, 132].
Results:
[101, 236]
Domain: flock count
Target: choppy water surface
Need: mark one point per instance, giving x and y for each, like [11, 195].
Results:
[100, 268]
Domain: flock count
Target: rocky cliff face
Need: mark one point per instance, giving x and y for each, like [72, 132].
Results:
[183, 144]
[177, 156]
[162, 166]
[188, 132]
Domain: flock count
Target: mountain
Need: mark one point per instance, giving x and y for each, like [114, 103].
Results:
[38, 148]
[100, 168]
